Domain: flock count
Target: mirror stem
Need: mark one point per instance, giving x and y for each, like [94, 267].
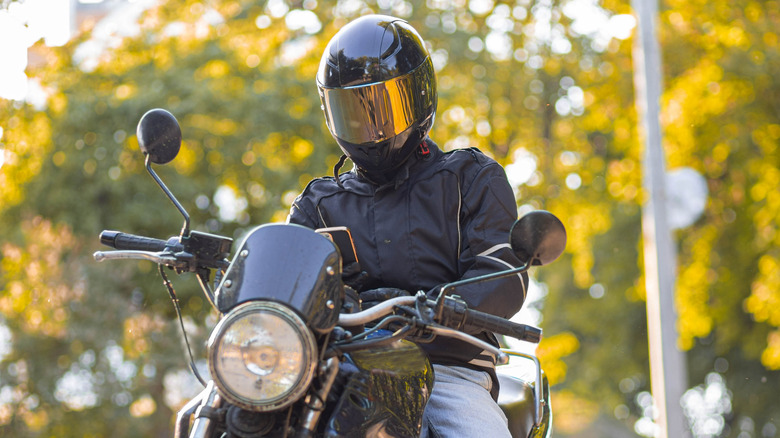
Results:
[185, 231]
[448, 288]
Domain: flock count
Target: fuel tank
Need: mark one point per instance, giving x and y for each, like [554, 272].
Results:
[385, 393]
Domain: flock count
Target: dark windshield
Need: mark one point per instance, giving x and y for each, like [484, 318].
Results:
[290, 264]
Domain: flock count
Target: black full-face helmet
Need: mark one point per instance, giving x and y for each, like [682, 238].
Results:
[378, 91]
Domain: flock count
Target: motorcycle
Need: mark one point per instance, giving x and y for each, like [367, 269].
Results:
[294, 355]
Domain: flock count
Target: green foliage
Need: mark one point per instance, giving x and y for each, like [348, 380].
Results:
[515, 79]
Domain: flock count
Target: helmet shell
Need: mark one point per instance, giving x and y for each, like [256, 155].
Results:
[378, 91]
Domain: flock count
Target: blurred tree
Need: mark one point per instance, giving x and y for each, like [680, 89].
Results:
[544, 86]
[95, 341]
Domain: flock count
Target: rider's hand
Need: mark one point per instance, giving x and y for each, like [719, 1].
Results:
[372, 297]
[353, 276]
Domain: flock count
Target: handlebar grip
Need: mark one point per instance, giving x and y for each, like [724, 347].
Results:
[119, 240]
[486, 321]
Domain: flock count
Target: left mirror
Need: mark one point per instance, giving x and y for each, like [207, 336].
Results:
[159, 136]
[538, 237]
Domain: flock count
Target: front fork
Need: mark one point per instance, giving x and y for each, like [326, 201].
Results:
[204, 407]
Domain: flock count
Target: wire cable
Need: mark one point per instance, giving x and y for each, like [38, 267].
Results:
[176, 306]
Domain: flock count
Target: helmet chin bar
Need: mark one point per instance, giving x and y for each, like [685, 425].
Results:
[381, 157]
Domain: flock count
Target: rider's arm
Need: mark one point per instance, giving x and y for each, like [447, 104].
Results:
[487, 213]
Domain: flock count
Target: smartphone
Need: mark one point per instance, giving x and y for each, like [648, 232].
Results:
[343, 240]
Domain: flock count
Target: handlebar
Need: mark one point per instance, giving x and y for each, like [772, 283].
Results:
[125, 241]
[194, 251]
[455, 315]
[368, 315]
[457, 310]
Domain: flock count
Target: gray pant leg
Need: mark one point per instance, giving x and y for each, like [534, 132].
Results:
[461, 406]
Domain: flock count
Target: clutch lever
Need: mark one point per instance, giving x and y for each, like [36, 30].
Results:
[179, 261]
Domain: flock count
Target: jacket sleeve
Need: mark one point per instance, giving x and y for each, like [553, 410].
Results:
[302, 211]
[488, 211]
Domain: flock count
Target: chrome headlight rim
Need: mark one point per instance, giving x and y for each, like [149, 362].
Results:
[308, 347]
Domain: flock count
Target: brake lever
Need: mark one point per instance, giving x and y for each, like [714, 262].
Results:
[439, 330]
[178, 261]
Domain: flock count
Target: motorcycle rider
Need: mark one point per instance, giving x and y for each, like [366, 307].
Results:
[419, 217]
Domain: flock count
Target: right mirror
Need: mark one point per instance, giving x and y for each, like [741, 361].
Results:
[159, 136]
[538, 236]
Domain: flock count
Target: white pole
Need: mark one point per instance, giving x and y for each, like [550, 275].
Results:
[667, 362]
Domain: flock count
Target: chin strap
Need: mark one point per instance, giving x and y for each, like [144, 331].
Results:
[336, 168]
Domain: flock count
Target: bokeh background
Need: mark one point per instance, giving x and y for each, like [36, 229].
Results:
[543, 86]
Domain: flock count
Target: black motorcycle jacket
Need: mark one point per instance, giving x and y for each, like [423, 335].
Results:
[445, 217]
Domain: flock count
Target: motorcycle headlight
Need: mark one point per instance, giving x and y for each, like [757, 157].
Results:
[262, 356]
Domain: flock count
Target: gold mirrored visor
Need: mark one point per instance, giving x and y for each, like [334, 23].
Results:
[374, 112]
